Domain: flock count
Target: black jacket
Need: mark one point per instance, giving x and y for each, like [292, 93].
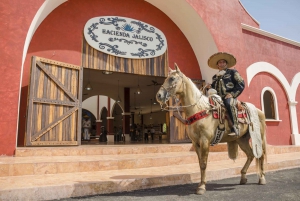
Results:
[231, 82]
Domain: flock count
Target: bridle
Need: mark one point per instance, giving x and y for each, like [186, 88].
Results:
[169, 89]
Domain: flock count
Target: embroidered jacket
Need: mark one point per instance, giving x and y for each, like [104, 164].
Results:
[230, 82]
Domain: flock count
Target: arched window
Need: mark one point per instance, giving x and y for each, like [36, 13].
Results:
[269, 104]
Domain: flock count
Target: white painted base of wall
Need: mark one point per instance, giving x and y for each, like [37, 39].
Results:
[127, 138]
[295, 139]
[110, 138]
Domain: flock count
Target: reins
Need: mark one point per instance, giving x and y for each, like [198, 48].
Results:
[177, 107]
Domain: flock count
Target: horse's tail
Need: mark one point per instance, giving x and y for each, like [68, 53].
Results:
[263, 130]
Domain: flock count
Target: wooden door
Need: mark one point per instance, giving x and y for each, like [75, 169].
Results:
[178, 133]
[54, 103]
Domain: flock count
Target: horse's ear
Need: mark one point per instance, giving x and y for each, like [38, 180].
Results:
[176, 67]
[170, 70]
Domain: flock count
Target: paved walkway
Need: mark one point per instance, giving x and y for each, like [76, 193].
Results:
[283, 185]
[57, 177]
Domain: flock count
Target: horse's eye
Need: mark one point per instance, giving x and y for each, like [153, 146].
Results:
[172, 78]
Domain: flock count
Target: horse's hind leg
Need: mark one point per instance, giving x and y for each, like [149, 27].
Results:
[260, 161]
[245, 146]
[261, 173]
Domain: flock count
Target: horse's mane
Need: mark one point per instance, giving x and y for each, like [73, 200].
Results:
[202, 99]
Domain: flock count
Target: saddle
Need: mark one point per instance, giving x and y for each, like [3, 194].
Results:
[219, 111]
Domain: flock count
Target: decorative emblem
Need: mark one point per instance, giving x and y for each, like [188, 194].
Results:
[227, 76]
[125, 37]
[237, 77]
[230, 85]
[111, 48]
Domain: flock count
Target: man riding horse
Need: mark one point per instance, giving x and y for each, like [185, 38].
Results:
[202, 124]
[228, 83]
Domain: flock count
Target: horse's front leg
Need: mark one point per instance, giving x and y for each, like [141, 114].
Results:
[202, 150]
[243, 142]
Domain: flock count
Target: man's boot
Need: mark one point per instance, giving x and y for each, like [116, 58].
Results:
[234, 131]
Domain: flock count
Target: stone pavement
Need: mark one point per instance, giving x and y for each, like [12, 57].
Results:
[63, 172]
[282, 185]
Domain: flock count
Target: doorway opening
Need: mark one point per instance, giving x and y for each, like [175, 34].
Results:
[138, 105]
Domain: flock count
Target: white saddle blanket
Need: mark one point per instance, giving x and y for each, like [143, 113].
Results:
[254, 131]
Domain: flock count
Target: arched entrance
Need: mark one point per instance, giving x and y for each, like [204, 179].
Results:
[141, 74]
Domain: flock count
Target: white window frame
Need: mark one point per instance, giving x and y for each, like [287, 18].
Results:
[275, 102]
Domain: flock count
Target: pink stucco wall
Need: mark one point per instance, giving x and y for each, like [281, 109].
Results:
[15, 21]
[284, 57]
[224, 20]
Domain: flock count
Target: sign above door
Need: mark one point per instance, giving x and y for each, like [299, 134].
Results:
[125, 37]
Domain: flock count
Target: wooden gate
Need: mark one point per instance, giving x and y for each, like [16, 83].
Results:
[54, 103]
[178, 133]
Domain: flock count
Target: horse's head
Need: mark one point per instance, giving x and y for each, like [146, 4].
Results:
[172, 86]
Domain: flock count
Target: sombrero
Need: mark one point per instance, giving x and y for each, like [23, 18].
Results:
[86, 116]
[213, 60]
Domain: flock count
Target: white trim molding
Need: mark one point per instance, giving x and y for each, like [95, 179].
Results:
[275, 102]
[270, 35]
[295, 139]
[249, 13]
[273, 120]
[292, 103]
[260, 67]
[290, 91]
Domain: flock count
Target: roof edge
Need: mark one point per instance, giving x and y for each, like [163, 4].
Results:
[249, 13]
[270, 35]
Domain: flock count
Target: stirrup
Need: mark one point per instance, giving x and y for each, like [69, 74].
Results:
[232, 134]
[235, 132]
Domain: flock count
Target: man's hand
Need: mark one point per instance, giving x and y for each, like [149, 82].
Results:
[208, 86]
[228, 96]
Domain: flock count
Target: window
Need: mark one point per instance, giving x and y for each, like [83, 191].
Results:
[269, 104]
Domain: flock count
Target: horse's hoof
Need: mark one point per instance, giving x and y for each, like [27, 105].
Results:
[262, 181]
[200, 191]
[243, 181]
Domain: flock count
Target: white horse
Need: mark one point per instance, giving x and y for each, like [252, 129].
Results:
[202, 132]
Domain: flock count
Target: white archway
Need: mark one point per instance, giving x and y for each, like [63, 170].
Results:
[294, 85]
[91, 105]
[194, 29]
[290, 91]
[180, 12]
[260, 67]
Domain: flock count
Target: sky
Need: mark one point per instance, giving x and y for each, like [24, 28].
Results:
[280, 17]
